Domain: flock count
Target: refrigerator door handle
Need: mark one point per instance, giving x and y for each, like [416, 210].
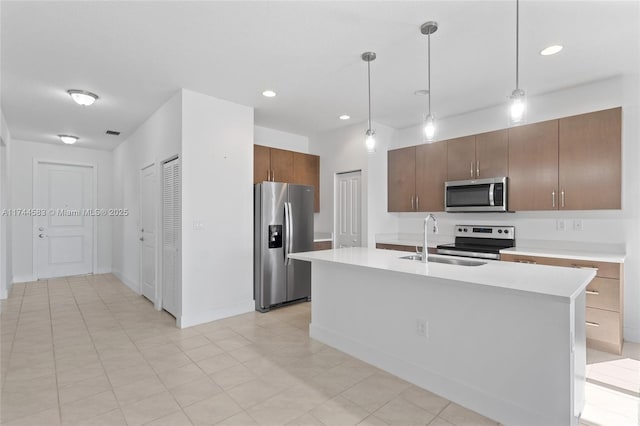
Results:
[290, 234]
[287, 232]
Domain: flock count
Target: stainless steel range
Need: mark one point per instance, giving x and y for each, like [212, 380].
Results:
[480, 241]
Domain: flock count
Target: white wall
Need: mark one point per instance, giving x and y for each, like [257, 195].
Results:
[217, 195]
[612, 227]
[6, 270]
[156, 140]
[279, 139]
[22, 155]
[343, 150]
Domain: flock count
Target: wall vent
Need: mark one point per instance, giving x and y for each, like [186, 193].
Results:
[113, 133]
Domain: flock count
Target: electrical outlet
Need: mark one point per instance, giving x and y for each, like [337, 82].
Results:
[560, 225]
[422, 328]
[577, 224]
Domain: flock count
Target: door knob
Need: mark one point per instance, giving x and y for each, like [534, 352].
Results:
[41, 229]
[41, 235]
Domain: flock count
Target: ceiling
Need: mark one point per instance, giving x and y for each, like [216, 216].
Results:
[136, 55]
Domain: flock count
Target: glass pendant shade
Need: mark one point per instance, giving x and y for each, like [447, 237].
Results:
[429, 128]
[370, 140]
[517, 107]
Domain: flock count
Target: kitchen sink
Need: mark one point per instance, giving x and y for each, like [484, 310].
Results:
[447, 260]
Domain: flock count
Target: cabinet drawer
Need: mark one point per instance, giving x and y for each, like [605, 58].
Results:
[604, 293]
[605, 269]
[603, 326]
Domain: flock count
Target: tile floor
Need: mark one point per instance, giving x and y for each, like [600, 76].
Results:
[89, 351]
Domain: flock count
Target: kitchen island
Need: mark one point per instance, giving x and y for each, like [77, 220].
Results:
[504, 339]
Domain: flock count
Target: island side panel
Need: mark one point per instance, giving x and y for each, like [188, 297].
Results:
[505, 354]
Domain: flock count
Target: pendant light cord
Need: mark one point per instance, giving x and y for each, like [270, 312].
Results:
[517, 43]
[429, 69]
[369, 88]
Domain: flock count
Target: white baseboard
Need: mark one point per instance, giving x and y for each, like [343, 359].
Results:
[127, 281]
[23, 279]
[103, 271]
[189, 320]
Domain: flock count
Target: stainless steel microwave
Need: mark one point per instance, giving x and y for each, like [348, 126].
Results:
[479, 195]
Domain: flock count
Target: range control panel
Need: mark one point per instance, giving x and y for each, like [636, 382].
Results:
[485, 231]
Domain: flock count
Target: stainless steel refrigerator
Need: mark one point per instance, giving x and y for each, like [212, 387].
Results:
[283, 224]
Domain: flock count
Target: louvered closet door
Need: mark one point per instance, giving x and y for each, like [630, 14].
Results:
[171, 284]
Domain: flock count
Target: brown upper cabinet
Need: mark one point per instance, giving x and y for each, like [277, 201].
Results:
[533, 166]
[573, 163]
[478, 156]
[306, 171]
[280, 165]
[589, 161]
[415, 178]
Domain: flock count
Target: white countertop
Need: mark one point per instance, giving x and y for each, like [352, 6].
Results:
[412, 239]
[595, 256]
[552, 281]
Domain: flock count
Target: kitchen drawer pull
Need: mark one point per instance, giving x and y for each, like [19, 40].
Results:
[575, 265]
[592, 324]
[532, 262]
[595, 293]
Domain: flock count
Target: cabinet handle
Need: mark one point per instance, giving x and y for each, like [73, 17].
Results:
[478, 168]
[592, 324]
[471, 168]
[562, 199]
[532, 262]
[575, 265]
[412, 203]
[417, 203]
[268, 175]
[595, 293]
[553, 198]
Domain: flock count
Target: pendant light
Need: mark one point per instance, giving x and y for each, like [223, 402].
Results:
[370, 140]
[517, 100]
[429, 28]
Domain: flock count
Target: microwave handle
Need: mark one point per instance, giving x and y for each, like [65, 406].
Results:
[491, 198]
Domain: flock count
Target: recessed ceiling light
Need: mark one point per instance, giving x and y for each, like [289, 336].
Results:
[268, 93]
[344, 117]
[551, 50]
[68, 139]
[82, 97]
[421, 92]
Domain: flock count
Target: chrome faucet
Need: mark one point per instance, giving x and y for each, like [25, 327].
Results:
[425, 245]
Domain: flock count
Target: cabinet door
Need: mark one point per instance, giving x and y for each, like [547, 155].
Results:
[281, 165]
[461, 158]
[533, 166]
[401, 179]
[431, 174]
[590, 160]
[492, 154]
[261, 164]
[306, 171]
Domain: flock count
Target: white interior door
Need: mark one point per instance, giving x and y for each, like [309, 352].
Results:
[148, 232]
[63, 236]
[349, 209]
[171, 237]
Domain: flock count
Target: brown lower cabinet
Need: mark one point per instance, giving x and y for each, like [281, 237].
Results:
[605, 299]
[322, 245]
[401, 247]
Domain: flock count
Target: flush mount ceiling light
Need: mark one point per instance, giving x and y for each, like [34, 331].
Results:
[551, 50]
[517, 100]
[68, 139]
[82, 97]
[370, 139]
[427, 29]
[344, 117]
[269, 94]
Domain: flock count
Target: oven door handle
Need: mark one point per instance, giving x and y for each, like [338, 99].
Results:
[491, 198]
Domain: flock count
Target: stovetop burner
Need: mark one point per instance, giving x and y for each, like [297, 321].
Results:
[480, 241]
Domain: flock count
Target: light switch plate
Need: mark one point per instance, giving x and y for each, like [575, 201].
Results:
[560, 225]
[577, 224]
